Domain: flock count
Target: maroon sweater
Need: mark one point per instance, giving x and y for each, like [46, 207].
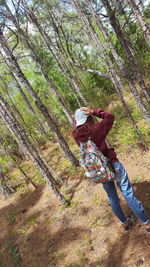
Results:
[98, 133]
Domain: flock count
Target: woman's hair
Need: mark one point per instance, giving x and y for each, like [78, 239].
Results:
[90, 119]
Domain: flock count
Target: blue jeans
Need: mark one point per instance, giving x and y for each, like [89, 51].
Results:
[125, 187]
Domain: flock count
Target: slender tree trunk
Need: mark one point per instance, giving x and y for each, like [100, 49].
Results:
[18, 114]
[127, 48]
[106, 60]
[25, 38]
[27, 147]
[109, 67]
[100, 74]
[119, 6]
[141, 4]
[121, 66]
[31, 110]
[26, 177]
[49, 81]
[12, 63]
[103, 31]
[64, 49]
[50, 46]
[5, 189]
[39, 124]
[140, 19]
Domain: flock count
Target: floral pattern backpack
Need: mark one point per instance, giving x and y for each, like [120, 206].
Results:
[95, 165]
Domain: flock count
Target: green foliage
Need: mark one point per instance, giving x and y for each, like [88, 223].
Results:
[98, 223]
[2, 162]
[23, 231]
[38, 179]
[11, 219]
[21, 188]
[100, 262]
[14, 253]
[81, 256]
[65, 165]
[147, 12]
[87, 240]
[123, 135]
[32, 220]
[96, 199]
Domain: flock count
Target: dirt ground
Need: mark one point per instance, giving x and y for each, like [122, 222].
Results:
[36, 231]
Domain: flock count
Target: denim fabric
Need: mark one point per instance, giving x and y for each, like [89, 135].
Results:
[125, 187]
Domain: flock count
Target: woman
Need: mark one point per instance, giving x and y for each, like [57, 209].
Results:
[84, 127]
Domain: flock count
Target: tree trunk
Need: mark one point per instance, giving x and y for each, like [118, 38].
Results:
[39, 124]
[5, 189]
[119, 6]
[31, 110]
[121, 66]
[109, 66]
[13, 65]
[106, 60]
[63, 50]
[141, 4]
[27, 147]
[140, 19]
[51, 47]
[127, 48]
[23, 36]
[63, 43]
[18, 114]
[26, 177]
[100, 74]
[103, 31]
[49, 81]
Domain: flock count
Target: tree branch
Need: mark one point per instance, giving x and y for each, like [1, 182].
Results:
[103, 75]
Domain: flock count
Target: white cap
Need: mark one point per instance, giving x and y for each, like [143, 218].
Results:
[80, 117]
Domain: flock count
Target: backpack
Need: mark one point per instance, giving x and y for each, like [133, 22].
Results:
[95, 165]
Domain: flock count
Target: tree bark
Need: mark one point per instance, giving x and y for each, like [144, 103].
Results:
[127, 48]
[5, 189]
[121, 65]
[27, 147]
[63, 46]
[90, 32]
[140, 19]
[25, 38]
[51, 48]
[14, 66]
[114, 77]
[103, 75]
[103, 31]
[30, 108]
[9, 153]
[26, 177]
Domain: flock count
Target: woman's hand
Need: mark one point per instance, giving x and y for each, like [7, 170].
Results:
[88, 111]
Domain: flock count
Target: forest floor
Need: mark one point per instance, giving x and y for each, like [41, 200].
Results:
[36, 231]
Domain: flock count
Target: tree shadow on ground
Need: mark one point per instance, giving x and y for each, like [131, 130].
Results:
[25, 201]
[30, 240]
[12, 220]
[74, 188]
[137, 238]
[142, 192]
[42, 239]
